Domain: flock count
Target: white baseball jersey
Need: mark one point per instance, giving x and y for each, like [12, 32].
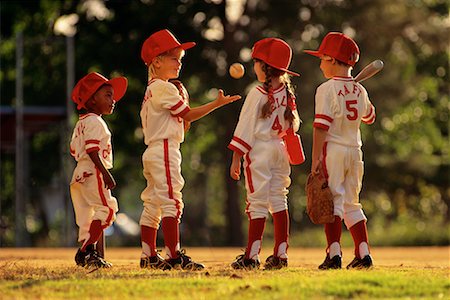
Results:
[91, 199]
[91, 134]
[252, 126]
[161, 115]
[162, 111]
[341, 105]
[266, 163]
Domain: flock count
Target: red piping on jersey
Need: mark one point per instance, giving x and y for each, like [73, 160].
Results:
[183, 112]
[324, 160]
[236, 149]
[151, 81]
[263, 90]
[325, 117]
[84, 116]
[100, 184]
[93, 149]
[320, 125]
[339, 78]
[92, 142]
[239, 141]
[176, 106]
[169, 178]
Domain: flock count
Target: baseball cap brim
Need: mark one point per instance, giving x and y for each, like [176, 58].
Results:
[119, 85]
[187, 45]
[313, 52]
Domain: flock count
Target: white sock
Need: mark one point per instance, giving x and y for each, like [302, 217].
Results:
[282, 250]
[335, 249]
[363, 249]
[254, 251]
[145, 250]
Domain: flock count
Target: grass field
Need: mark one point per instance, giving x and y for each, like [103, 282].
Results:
[408, 273]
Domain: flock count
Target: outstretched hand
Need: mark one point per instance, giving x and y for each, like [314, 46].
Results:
[223, 99]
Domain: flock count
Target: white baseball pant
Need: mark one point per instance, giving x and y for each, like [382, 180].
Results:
[162, 169]
[344, 168]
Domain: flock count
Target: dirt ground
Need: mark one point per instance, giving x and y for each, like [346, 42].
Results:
[422, 257]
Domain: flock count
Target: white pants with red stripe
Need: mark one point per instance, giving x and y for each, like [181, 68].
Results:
[267, 170]
[162, 169]
[92, 201]
[344, 168]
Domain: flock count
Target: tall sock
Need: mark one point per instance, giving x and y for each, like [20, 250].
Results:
[171, 233]
[255, 233]
[94, 234]
[360, 238]
[281, 233]
[148, 240]
[333, 233]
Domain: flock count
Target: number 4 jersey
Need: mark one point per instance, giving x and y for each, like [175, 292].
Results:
[252, 125]
[341, 105]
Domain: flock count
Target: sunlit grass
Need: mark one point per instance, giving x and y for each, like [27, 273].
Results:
[59, 278]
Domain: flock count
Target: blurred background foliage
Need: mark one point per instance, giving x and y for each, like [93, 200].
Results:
[405, 191]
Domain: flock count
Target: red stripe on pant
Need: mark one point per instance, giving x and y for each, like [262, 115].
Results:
[100, 184]
[249, 183]
[169, 178]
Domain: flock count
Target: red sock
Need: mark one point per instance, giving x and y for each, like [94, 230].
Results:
[359, 235]
[281, 229]
[333, 231]
[255, 233]
[94, 234]
[148, 236]
[171, 235]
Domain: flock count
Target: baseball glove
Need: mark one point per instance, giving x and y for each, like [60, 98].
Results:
[319, 206]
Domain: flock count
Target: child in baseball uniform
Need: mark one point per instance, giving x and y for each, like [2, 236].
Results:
[269, 111]
[91, 184]
[165, 114]
[341, 105]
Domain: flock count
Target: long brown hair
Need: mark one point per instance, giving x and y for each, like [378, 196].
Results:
[267, 109]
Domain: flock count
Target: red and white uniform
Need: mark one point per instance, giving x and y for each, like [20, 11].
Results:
[341, 105]
[162, 124]
[91, 199]
[266, 162]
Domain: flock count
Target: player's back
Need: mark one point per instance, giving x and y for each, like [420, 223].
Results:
[348, 104]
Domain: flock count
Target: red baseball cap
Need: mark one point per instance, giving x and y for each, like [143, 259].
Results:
[338, 46]
[89, 84]
[160, 42]
[274, 52]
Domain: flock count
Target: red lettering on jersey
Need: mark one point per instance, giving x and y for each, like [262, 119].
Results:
[346, 90]
[276, 125]
[356, 90]
[106, 151]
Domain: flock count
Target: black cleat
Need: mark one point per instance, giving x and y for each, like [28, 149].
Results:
[361, 263]
[242, 263]
[331, 263]
[183, 262]
[90, 258]
[275, 263]
[79, 258]
[155, 262]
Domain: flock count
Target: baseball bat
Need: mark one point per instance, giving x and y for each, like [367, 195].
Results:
[369, 70]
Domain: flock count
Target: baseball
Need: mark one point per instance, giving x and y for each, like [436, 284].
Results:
[237, 70]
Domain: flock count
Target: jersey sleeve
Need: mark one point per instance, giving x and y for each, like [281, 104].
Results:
[92, 133]
[369, 115]
[244, 136]
[168, 97]
[323, 112]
